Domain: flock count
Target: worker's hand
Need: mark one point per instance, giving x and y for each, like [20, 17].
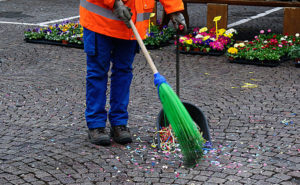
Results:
[179, 22]
[122, 12]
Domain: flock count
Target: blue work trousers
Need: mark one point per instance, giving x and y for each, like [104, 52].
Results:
[101, 51]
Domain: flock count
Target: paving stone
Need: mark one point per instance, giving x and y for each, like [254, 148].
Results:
[138, 179]
[216, 180]
[233, 178]
[167, 180]
[282, 177]
[274, 180]
[200, 178]
[294, 174]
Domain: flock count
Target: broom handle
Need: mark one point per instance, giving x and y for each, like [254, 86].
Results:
[143, 47]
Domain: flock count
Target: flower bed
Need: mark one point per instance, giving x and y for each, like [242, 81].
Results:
[70, 34]
[266, 49]
[157, 38]
[294, 54]
[207, 42]
[65, 34]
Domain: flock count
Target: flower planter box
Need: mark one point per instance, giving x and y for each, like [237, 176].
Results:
[297, 62]
[67, 34]
[163, 44]
[56, 43]
[211, 53]
[267, 63]
[266, 49]
[157, 38]
[207, 42]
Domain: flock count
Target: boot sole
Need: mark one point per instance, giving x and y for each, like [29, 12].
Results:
[123, 141]
[102, 142]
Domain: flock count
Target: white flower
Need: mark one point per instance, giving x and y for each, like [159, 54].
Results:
[297, 35]
[231, 30]
[213, 39]
[246, 41]
[199, 36]
[242, 44]
[236, 45]
[285, 37]
[265, 42]
[290, 41]
[282, 38]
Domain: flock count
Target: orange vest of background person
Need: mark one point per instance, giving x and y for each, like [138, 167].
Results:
[97, 16]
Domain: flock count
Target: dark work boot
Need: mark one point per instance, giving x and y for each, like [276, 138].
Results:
[99, 136]
[121, 134]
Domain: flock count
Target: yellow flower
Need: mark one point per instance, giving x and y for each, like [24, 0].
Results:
[232, 50]
[206, 37]
[183, 38]
[229, 35]
[221, 31]
[190, 41]
[204, 29]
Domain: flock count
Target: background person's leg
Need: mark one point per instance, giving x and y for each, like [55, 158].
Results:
[96, 82]
[122, 58]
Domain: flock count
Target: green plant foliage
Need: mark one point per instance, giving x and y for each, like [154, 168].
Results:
[266, 47]
[67, 31]
[294, 52]
[156, 37]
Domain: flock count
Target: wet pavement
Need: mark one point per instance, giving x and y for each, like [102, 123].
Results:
[255, 131]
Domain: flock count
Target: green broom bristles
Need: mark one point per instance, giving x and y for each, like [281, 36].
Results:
[185, 129]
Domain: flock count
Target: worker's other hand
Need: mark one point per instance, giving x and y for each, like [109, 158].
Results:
[122, 12]
[178, 21]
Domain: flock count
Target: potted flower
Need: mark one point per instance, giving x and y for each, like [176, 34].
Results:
[67, 33]
[294, 54]
[204, 41]
[157, 38]
[267, 49]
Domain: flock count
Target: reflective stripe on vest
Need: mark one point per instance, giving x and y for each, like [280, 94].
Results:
[108, 13]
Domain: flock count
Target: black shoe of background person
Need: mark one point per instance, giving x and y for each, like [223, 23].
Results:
[121, 134]
[99, 136]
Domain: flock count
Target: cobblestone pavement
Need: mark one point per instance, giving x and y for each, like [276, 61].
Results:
[255, 131]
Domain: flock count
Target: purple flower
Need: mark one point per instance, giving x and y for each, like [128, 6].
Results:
[158, 21]
[36, 30]
[207, 42]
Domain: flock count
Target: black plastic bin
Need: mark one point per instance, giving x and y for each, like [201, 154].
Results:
[196, 114]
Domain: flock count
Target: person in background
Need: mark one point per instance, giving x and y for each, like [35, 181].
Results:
[108, 39]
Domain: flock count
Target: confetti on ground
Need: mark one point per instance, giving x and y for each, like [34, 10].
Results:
[256, 80]
[249, 85]
[286, 122]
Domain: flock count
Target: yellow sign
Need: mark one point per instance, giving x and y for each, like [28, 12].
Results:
[152, 15]
[217, 18]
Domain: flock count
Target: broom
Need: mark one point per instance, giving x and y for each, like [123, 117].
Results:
[189, 138]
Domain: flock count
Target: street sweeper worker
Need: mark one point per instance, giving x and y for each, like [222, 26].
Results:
[108, 38]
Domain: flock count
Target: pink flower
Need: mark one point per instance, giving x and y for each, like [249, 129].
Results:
[216, 45]
[269, 30]
[280, 45]
[262, 31]
[256, 36]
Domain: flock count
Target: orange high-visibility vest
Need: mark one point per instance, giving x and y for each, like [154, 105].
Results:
[97, 16]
